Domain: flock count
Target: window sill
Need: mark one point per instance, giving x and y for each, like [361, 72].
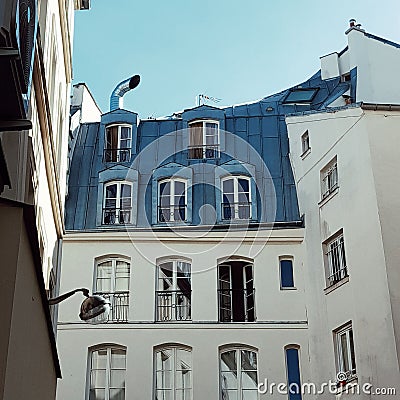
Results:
[289, 288]
[305, 154]
[336, 285]
[329, 196]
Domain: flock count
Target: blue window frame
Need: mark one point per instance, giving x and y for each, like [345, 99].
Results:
[293, 372]
[286, 267]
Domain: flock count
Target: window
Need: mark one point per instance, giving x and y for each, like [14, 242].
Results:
[305, 142]
[203, 139]
[286, 270]
[173, 373]
[238, 374]
[345, 356]
[236, 204]
[117, 203]
[236, 292]
[172, 200]
[118, 143]
[112, 282]
[107, 373]
[293, 372]
[335, 259]
[174, 291]
[329, 179]
[300, 96]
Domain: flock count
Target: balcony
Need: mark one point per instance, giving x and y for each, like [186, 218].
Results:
[116, 216]
[236, 305]
[236, 211]
[119, 305]
[200, 152]
[173, 305]
[117, 155]
[173, 213]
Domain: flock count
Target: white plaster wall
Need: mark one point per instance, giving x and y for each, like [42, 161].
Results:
[365, 298]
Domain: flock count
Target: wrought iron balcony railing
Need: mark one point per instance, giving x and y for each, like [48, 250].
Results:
[337, 275]
[236, 305]
[173, 213]
[236, 211]
[119, 305]
[117, 155]
[173, 305]
[115, 216]
[207, 151]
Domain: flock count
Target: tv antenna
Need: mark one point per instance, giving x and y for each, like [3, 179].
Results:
[202, 99]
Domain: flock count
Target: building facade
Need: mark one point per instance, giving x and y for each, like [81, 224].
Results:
[36, 71]
[239, 247]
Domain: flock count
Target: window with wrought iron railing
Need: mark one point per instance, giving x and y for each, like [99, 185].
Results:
[173, 294]
[345, 354]
[329, 179]
[236, 195]
[117, 203]
[112, 282]
[172, 200]
[203, 140]
[335, 259]
[118, 143]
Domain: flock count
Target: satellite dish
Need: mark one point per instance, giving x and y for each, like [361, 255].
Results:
[134, 82]
[95, 309]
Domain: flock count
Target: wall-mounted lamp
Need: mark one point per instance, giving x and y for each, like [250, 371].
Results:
[94, 309]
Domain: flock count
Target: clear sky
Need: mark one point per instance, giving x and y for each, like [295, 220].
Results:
[238, 51]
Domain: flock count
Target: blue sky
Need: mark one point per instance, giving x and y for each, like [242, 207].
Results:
[235, 50]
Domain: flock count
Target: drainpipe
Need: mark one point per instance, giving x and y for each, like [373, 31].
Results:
[116, 98]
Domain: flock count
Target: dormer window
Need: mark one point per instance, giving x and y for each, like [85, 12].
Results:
[118, 143]
[117, 208]
[236, 203]
[204, 139]
[172, 200]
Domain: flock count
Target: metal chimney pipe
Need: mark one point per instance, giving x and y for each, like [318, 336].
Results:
[116, 98]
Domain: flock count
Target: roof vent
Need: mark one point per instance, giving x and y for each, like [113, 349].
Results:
[116, 98]
[352, 22]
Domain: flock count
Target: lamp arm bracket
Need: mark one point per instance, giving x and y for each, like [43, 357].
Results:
[59, 299]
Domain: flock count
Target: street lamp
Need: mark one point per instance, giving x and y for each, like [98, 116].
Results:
[94, 309]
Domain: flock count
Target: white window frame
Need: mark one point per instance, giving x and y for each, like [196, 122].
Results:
[119, 299]
[348, 334]
[329, 179]
[172, 206]
[335, 258]
[305, 143]
[236, 205]
[239, 389]
[174, 389]
[215, 147]
[166, 306]
[119, 150]
[117, 202]
[108, 369]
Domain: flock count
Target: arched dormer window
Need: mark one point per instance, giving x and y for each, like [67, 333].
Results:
[106, 374]
[236, 198]
[204, 139]
[118, 143]
[117, 204]
[238, 373]
[173, 372]
[172, 200]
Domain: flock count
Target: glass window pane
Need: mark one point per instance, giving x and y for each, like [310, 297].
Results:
[112, 137]
[227, 186]
[183, 379]
[165, 188]
[243, 185]
[249, 395]
[249, 380]
[249, 360]
[98, 378]
[164, 360]
[229, 394]
[99, 359]
[287, 273]
[229, 380]
[179, 187]
[117, 378]
[293, 373]
[345, 354]
[111, 191]
[97, 394]
[183, 359]
[164, 379]
[196, 134]
[183, 394]
[228, 361]
[117, 394]
[125, 190]
[125, 132]
[164, 395]
[118, 358]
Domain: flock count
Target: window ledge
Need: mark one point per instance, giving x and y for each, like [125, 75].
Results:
[329, 196]
[305, 154]
[289, 288]
[336, 285]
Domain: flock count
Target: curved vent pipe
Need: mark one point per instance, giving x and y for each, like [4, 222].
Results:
[116, 98]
